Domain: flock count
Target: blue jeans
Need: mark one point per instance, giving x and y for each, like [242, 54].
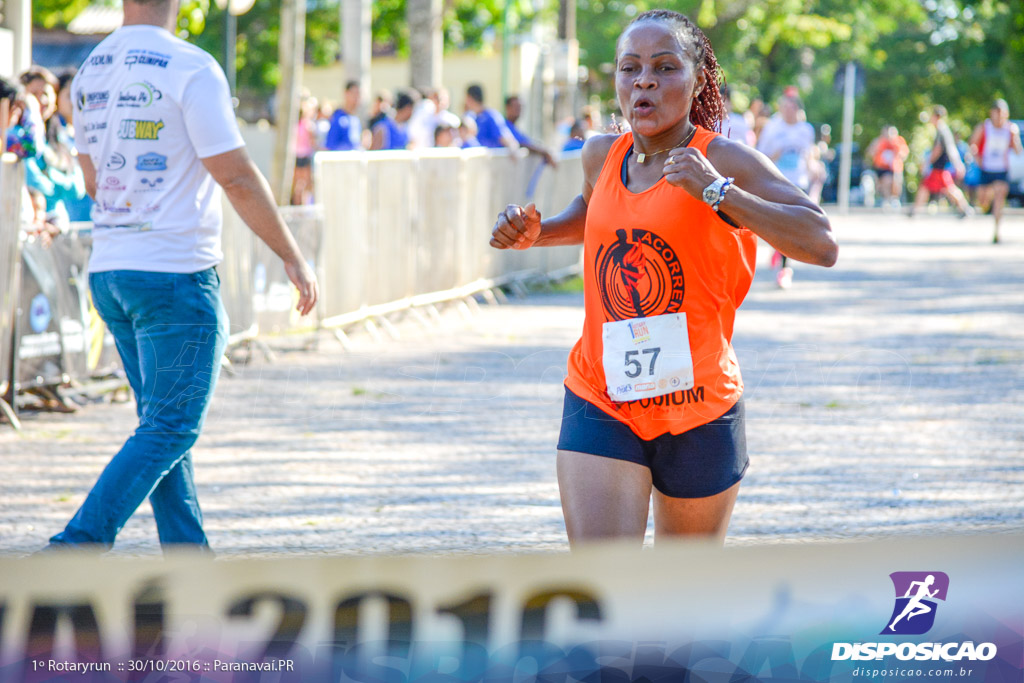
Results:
[170, 330]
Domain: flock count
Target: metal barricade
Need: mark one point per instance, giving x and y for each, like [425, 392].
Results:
[390, 266]
[45, 315]
[101, 356]
[441, 219]
[401, 227]
[236, 276]
[274, 296]
[11, 180]
[556, 190]
[341, 181]
[475, 256]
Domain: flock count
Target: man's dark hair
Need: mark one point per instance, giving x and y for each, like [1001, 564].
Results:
[476, 91]
[510, 99]
[351, 84]
[406, 99]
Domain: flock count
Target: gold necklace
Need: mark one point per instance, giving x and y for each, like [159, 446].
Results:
[641, 157]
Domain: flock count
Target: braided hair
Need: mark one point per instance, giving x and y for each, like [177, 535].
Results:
[707, 110]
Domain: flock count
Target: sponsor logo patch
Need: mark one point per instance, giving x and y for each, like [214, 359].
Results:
[139, 129]
[151, 162]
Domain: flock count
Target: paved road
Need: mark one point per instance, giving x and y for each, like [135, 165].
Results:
[884, 396]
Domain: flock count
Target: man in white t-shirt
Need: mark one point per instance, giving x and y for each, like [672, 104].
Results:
[156, 135]
[788, 140]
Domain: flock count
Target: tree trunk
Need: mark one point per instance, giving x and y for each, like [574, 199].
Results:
[356, 46]
[291, 51]
[425, 42]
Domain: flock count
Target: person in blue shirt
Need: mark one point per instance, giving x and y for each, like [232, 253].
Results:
[467, 133]
[346, 130]
[513, 110]
[577, 135]
[491, 129]
[392, 133]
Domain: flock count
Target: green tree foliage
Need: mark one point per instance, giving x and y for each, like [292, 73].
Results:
[59, 13]
[56, 13]
[467, 25]
[960, 53]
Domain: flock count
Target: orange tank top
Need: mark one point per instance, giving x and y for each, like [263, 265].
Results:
[657, 252]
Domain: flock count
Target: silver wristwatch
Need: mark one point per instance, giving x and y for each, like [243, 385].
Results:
[714, 192]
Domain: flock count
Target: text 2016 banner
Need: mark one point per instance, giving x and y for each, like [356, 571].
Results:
[945, 609]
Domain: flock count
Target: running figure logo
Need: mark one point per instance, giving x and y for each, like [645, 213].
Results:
[916, 593]
[639, 275]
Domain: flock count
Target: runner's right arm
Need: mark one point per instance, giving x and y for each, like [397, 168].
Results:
[250, 195]
[522, 228]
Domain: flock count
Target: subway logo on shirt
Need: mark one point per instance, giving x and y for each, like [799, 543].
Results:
[138, 129]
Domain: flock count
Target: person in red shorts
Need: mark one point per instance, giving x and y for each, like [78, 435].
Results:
[939, 180]
[669, 219]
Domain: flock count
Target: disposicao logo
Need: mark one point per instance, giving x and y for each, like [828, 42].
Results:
[916, 593]
[914, 614]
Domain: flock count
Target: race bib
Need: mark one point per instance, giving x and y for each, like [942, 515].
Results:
[647, 357]
[789, 161]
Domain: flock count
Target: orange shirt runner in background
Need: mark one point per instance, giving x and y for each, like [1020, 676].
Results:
[889, 154]
[658, 252]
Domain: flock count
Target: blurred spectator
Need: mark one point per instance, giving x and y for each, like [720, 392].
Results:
[735, 126]
[444, 136]
[590, 121]
[760, 115]
[577, 135]
[305, 147]
[323, 123]
[65, 172]
[41, 95]
[491, 128]
[392, 133]
[423, 122]
[345, 132]
[381, 108]
[50, 163]
[40, 224]
[467, 133]
[431, 114]
[12, 109]
[513, 110]
[888, 152]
